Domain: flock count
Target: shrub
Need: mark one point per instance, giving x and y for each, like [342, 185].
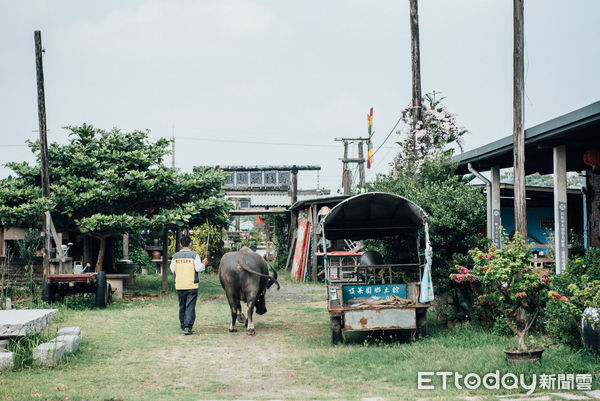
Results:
[562, 320]
[501, 327]
[572, 291]
[509, 284]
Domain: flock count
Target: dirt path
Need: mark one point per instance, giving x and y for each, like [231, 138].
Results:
[237, 366]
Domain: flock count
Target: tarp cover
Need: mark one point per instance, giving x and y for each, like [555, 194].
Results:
[372, 215]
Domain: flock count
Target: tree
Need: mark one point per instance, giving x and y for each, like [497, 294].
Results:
[105, 183]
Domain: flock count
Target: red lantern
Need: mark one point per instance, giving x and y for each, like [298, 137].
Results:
[591, 157]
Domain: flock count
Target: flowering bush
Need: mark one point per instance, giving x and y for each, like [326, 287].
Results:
[509, 284]
[580, 288]
[562, 320]
[429, 138]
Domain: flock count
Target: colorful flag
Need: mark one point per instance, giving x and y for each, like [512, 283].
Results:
[259, 221]
[369, 142]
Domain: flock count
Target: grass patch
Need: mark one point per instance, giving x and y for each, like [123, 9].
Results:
[134, 350]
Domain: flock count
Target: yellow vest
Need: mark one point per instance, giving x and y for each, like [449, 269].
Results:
[186, 276]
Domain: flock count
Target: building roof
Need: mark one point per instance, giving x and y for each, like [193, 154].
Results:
[283, 200]
[579, 130]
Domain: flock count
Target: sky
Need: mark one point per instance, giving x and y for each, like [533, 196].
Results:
[253, 82]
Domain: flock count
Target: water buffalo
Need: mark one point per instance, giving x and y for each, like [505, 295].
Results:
[244, 276]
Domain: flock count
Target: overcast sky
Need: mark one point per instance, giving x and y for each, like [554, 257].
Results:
[260, 76]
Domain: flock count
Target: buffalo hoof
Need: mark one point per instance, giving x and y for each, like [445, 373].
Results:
[251, 332]
[233, 330]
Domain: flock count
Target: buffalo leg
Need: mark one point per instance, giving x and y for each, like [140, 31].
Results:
[236, 309]
[250, 323]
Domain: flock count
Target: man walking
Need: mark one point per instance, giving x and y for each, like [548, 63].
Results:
[186, 265]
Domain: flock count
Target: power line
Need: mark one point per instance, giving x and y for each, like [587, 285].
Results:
[388, 136]
[255, 142]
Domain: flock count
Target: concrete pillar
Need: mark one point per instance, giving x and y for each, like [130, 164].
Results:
[496, 220]
[561, 239]
[125, 246]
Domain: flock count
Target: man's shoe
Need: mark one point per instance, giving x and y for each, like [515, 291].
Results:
[187, 331]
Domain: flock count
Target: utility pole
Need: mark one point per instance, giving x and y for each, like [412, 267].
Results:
[416, 65]
[42, 114]
[361, 166]
[43, 144]
[346, 178]
[173, 146]
[518, 112]
[360, 160]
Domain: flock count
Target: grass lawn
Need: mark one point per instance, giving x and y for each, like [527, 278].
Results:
[134, 350]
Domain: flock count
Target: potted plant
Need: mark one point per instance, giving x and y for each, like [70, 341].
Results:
[513, 287]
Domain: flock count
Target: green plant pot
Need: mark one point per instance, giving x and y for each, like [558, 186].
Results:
[590, 332]
[532, 355]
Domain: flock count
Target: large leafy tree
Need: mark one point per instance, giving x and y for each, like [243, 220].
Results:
[105, 183]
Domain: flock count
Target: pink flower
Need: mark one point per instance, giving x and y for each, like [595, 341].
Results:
[463, 270]
[459, 278]
[521, 294]
[489, 256]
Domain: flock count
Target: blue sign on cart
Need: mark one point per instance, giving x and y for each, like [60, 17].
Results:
[376, 292]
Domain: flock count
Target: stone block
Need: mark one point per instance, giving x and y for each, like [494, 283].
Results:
[21, 323]
[7, 360]
[49, 353]
[72, 342]
[69, 331]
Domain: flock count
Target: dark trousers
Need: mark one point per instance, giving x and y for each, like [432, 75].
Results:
[187, 307]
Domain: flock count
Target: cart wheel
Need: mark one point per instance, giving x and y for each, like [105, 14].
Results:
[101, 290]
[422, 324]
[336, 329]
[47, 291]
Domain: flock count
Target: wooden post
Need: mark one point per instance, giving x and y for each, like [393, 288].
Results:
[165, 261]
[518, 132]
[294, 191]
[39, 67]
[346, 179]
[314, 243]
[173, 148]
[361, 167]
[416, 63]
[42, 114]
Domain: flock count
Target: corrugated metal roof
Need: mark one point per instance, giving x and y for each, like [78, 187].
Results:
[577, 130]
[281, 200]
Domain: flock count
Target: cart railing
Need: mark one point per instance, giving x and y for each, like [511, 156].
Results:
[375, 274]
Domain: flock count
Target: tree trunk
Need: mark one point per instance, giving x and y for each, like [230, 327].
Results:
[165, 264]
[522, 345]
[101, 254]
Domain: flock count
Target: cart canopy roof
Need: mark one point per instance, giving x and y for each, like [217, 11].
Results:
[373, 215]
